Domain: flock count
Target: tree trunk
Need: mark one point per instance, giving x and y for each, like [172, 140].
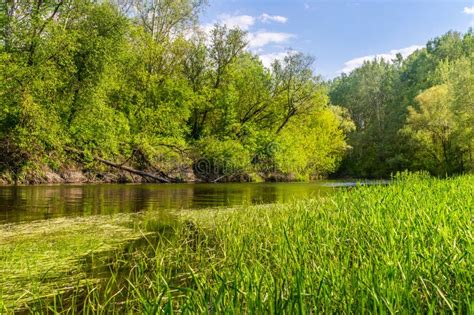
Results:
[158, 178]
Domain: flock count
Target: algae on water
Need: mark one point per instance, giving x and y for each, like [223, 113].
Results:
[44, 258]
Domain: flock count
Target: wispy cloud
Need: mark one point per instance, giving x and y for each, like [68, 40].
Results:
[266, 18]
[263, 38]
[244, 22]
[389, 56]
[268, 59]
[257, 38]
[469, 10]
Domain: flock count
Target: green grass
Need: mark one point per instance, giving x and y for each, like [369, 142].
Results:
[403, 248]
[44, 258]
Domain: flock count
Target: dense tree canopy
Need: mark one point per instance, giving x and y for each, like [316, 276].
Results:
[413, 114]
[138, 83]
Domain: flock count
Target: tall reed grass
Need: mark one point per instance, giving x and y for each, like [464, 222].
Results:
[402, 248]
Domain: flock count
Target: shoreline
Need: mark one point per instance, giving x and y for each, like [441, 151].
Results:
[350, 182]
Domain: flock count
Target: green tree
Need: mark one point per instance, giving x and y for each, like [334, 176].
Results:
[314, 146]
[432, 127]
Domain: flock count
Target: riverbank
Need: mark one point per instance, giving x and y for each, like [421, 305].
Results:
[406, 247]
[77, 175]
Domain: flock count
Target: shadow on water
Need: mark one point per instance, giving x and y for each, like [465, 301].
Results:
[28, 203]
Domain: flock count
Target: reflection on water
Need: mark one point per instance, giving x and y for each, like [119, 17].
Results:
[42, 202]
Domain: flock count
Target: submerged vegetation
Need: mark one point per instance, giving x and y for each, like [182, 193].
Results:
[44, 258]
[405, 247]
[139, 86]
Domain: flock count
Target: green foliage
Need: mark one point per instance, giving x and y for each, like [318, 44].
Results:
[402, 248]
[221, 159]
[132, 86]
[145, 86]
[397, 106]
[442, 128]
[432, 129]
[314, 146]
[369, 96]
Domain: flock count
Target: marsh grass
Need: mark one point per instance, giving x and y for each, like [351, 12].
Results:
[45, 258]
[402, 248]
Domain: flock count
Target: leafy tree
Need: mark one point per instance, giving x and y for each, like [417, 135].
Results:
[368, 95]
[432, 127]
[294, 86]
[313, 146]
[225, 47]
[379, 94]
[135, 83]
[164, 19]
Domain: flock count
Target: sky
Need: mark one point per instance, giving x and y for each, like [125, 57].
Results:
[339, 34]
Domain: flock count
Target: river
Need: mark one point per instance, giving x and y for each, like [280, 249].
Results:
[55, 236]
[29, 203]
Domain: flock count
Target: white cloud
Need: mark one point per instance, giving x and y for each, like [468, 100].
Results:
[263, 38]
[266, 18]
[267, 59]
[244, 22]
[357, 62]
[469, 10]
[256, 38]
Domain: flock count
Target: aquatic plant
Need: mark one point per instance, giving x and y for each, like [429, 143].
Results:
[405, 247]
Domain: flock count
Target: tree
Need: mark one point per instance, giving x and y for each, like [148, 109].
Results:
[313, 146]
[368, 94]
[379, 93]
[165, 19]
[432, 127]
[225, 47]
[459, 78]
[294, 86]
[136, 86]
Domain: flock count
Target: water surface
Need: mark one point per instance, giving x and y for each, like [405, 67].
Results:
[27, 203]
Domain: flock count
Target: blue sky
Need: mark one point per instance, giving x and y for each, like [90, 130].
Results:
[340, 34]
